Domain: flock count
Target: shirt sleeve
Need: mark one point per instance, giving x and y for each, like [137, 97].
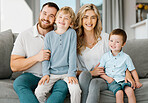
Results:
[19, 46]
[129, 64]
[72, 55]
[46, 63]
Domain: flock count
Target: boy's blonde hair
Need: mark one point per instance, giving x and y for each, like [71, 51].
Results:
[119, 32]
[68, 10]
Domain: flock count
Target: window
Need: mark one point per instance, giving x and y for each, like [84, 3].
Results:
[15, 15]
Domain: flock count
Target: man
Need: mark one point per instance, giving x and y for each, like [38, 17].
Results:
[28, 54]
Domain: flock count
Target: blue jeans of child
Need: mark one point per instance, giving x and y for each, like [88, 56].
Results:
[26, 83]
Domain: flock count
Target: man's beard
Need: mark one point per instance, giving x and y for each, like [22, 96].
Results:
[45, 26]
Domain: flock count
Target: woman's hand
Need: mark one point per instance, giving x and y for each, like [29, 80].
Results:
[43, 79]
[97, 70]
[130, 79]
[73, 80]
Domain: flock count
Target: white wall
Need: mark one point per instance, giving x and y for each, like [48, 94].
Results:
[129, 17]
[15, 15]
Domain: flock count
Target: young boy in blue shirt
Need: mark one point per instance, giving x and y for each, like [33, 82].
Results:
[62, 64]
[116, 62]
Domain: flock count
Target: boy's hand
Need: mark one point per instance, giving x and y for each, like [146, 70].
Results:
[73, 80]
[138, 84]
[110, 80]
[43, 79]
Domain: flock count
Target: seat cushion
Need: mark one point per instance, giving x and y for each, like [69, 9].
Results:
[6, 89]
[6, 45]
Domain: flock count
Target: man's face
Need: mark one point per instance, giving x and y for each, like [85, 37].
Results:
[47, 17]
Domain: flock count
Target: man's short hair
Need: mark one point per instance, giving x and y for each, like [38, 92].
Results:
[50, 4]
[119, 32]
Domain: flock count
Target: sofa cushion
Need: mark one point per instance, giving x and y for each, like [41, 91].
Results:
[6, 89]
[137, 50]
[6, 45]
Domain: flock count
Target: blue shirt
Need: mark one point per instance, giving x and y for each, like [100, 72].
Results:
[115, 66]
[63, 53]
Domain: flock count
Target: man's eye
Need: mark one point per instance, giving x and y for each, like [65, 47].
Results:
[111, 40]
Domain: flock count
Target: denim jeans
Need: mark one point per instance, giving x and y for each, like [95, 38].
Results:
[26, 83]
[91, 87]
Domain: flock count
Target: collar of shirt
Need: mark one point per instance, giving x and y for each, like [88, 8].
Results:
[35, 31]
[119, 54]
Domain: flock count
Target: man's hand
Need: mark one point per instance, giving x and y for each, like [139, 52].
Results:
[44, 79]
[97, 70]
[73, 80]
[43, 55]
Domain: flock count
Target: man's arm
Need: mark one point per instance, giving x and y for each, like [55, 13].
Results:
[20, 63]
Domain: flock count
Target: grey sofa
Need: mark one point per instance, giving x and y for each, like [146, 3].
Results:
[137, 49]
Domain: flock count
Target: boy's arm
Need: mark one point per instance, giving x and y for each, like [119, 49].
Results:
[72, 55]
[135, 75]
[107, 78]
[46, 63]
[136, 78]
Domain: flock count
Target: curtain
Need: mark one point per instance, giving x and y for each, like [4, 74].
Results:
[113, 15]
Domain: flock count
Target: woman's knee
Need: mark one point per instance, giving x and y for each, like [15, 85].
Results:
[85, 76]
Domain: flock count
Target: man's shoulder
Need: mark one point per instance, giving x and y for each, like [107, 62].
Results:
[27, 32]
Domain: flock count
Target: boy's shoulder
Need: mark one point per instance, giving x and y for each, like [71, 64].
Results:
[106, 55]
[71, 30]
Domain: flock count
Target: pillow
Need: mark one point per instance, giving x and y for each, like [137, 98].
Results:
[138, 51]
[6, 45]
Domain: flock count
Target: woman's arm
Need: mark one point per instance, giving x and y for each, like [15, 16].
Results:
[130, 79]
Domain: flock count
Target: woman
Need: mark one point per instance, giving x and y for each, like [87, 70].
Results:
[92, 43]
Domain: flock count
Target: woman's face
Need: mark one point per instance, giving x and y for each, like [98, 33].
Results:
[89, 20]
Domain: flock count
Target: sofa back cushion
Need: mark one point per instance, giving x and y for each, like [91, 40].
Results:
[6, 45]
[138, 51]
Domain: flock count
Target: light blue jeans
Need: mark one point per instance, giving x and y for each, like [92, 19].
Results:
[26, 83]
[91, 87]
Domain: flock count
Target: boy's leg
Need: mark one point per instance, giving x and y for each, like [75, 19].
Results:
[119, 96]
[75, 91]
[117, 90]
[59, 92]
[42, 90]
[130, 94]
[24, 86]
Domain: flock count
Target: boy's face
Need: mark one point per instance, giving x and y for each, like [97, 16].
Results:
[116, 43]
[47, 17]
[63, 20]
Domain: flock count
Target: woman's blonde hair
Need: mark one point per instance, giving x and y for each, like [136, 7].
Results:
[68, 10]
[79, 28]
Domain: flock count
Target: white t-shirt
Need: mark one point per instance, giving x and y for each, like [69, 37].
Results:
[28, 44]
[91, 57]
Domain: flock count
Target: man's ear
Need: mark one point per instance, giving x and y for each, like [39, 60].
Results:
[123, 44]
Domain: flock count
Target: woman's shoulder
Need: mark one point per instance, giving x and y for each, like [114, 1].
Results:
[104, 36]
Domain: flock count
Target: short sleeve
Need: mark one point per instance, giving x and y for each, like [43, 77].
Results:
[19, 45]
[129, 64]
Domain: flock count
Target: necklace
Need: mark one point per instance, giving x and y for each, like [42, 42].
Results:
[91, 44]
